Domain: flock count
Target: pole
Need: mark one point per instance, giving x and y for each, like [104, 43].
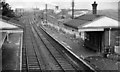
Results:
[21, 44]
[72, 9]
[7, 37]
[109, 36]
[46, 12]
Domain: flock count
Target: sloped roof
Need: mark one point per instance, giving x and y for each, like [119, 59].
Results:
[92, 21]
[104, 22]
[75, 23]
[6, 25]
[13, 21]
[88, 17]
[82, 20]
[51, 19]
[65, 20]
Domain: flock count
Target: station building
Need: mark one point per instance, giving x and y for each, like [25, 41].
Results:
[11, 38]
[100, 33]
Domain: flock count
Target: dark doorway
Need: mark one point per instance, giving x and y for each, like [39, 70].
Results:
[93, 40]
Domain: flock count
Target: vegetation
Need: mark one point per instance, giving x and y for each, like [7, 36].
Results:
[6, 10]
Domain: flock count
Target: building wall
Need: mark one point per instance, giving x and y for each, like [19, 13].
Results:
[106, 38]
[114, 39]
[64, 29]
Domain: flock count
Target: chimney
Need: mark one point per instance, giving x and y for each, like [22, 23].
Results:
[94, 6]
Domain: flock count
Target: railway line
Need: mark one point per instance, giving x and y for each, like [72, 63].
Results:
[76, 63]
[41, 52]
[59, 59]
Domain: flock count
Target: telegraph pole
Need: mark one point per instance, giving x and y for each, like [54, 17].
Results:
[72, 9]
[42, 15]
[46, 12]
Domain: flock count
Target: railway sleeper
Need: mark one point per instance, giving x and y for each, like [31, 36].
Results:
[34, 68]
[65, 64]
[32, 62]
[31, 55]
[33, 65]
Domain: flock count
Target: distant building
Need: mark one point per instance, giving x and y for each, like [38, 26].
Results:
[57, 9]
[19, 10]
[78, 12]
[36, 8]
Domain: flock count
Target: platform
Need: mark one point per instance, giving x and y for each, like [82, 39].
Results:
[77, 49]
[11, 52]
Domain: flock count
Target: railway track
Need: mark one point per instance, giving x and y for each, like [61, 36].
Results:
[42, 53]
[30, 60]
[60, 60]
[78, 65]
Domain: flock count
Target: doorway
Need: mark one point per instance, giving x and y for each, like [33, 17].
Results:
[93, 40]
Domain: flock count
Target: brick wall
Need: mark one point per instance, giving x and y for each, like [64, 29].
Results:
[106, 38]
[114, 38]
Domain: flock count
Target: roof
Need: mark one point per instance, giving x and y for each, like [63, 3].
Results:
[65, 20]
[104, 22]
[92, 21]
[82, 20]
[13, 21]
[52, 19]
[4, 25]
[88, 17]
[75, 23]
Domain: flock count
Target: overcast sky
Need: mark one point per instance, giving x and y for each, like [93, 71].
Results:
[81, 4]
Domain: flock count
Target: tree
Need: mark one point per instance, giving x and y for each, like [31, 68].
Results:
[6, 9]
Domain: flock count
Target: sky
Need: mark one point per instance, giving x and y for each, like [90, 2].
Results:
[80, 4]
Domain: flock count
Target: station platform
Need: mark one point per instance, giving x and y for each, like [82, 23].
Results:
[75, 46]
[11, 53]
